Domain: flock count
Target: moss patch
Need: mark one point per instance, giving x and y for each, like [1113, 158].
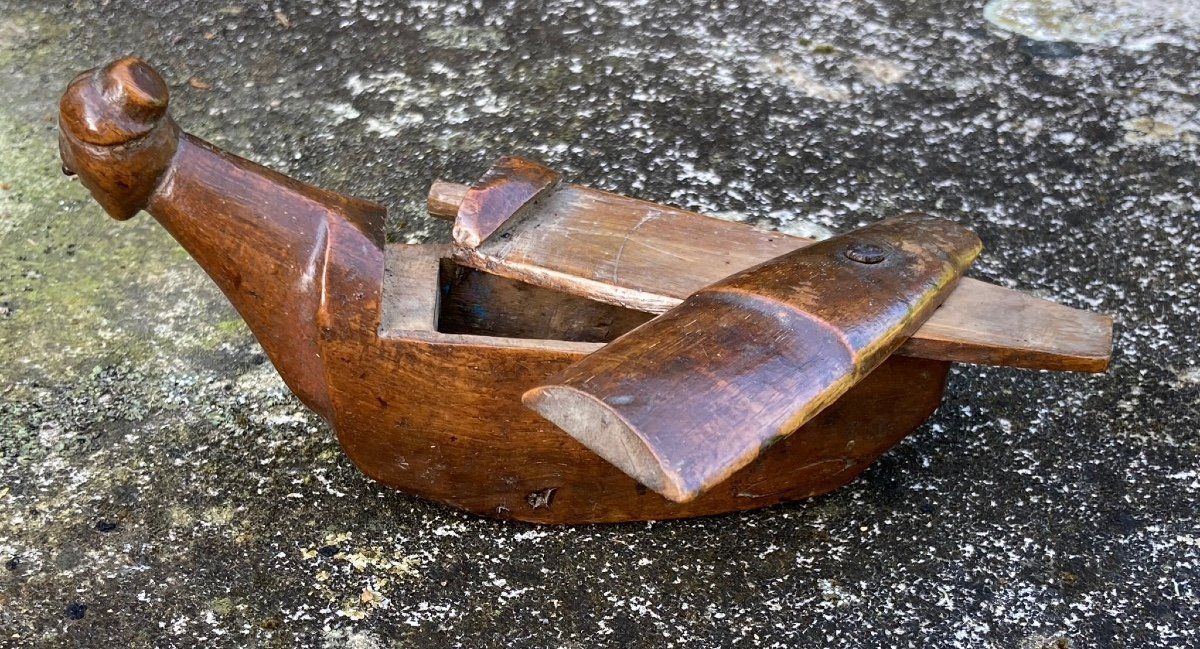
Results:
[78, 289]
[29, 36]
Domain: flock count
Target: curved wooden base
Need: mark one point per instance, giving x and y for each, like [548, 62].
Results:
[478, 449]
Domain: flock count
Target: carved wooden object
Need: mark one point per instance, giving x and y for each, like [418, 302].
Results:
[418, 360]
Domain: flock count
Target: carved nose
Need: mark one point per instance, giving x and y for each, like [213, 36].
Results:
[67, 172]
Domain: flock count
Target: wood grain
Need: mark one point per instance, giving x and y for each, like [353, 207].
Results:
[649, 257]
[439, 415]
[509, 188]
[684, 401]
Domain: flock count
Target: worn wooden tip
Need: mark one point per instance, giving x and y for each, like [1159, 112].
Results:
[992, 325]
[444, 199]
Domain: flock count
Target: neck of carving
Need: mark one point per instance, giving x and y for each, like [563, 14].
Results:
[268, 242]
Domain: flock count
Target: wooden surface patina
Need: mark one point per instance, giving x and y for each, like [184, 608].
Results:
[435, 412]
[159, 472]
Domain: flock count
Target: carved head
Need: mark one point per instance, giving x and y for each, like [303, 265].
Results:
[114, 132]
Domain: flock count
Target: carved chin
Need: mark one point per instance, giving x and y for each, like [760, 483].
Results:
[112, 204]
[115, 209]
[71, 168]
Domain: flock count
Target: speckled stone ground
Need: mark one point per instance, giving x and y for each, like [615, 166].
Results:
[159, 486]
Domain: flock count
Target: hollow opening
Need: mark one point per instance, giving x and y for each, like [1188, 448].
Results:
[477, 303]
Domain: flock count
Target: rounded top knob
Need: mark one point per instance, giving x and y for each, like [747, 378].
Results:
[115, 104]
[140, 85]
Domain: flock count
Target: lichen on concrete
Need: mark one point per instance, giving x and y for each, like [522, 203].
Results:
[160, 487]
[62, 279]
[1130, 23]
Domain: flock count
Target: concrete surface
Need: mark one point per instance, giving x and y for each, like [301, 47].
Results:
[159, 487]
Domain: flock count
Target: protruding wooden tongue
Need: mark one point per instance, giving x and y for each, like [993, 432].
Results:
[685, 400]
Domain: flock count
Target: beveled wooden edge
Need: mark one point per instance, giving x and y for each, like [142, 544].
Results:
[494, 342]
[1069, 339]
[599, 427]
[567, 283]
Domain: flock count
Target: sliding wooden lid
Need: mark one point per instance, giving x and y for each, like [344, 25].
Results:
[685, 400]
[519, 222]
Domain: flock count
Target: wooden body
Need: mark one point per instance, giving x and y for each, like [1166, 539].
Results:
[440, 415]
[417, 363]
